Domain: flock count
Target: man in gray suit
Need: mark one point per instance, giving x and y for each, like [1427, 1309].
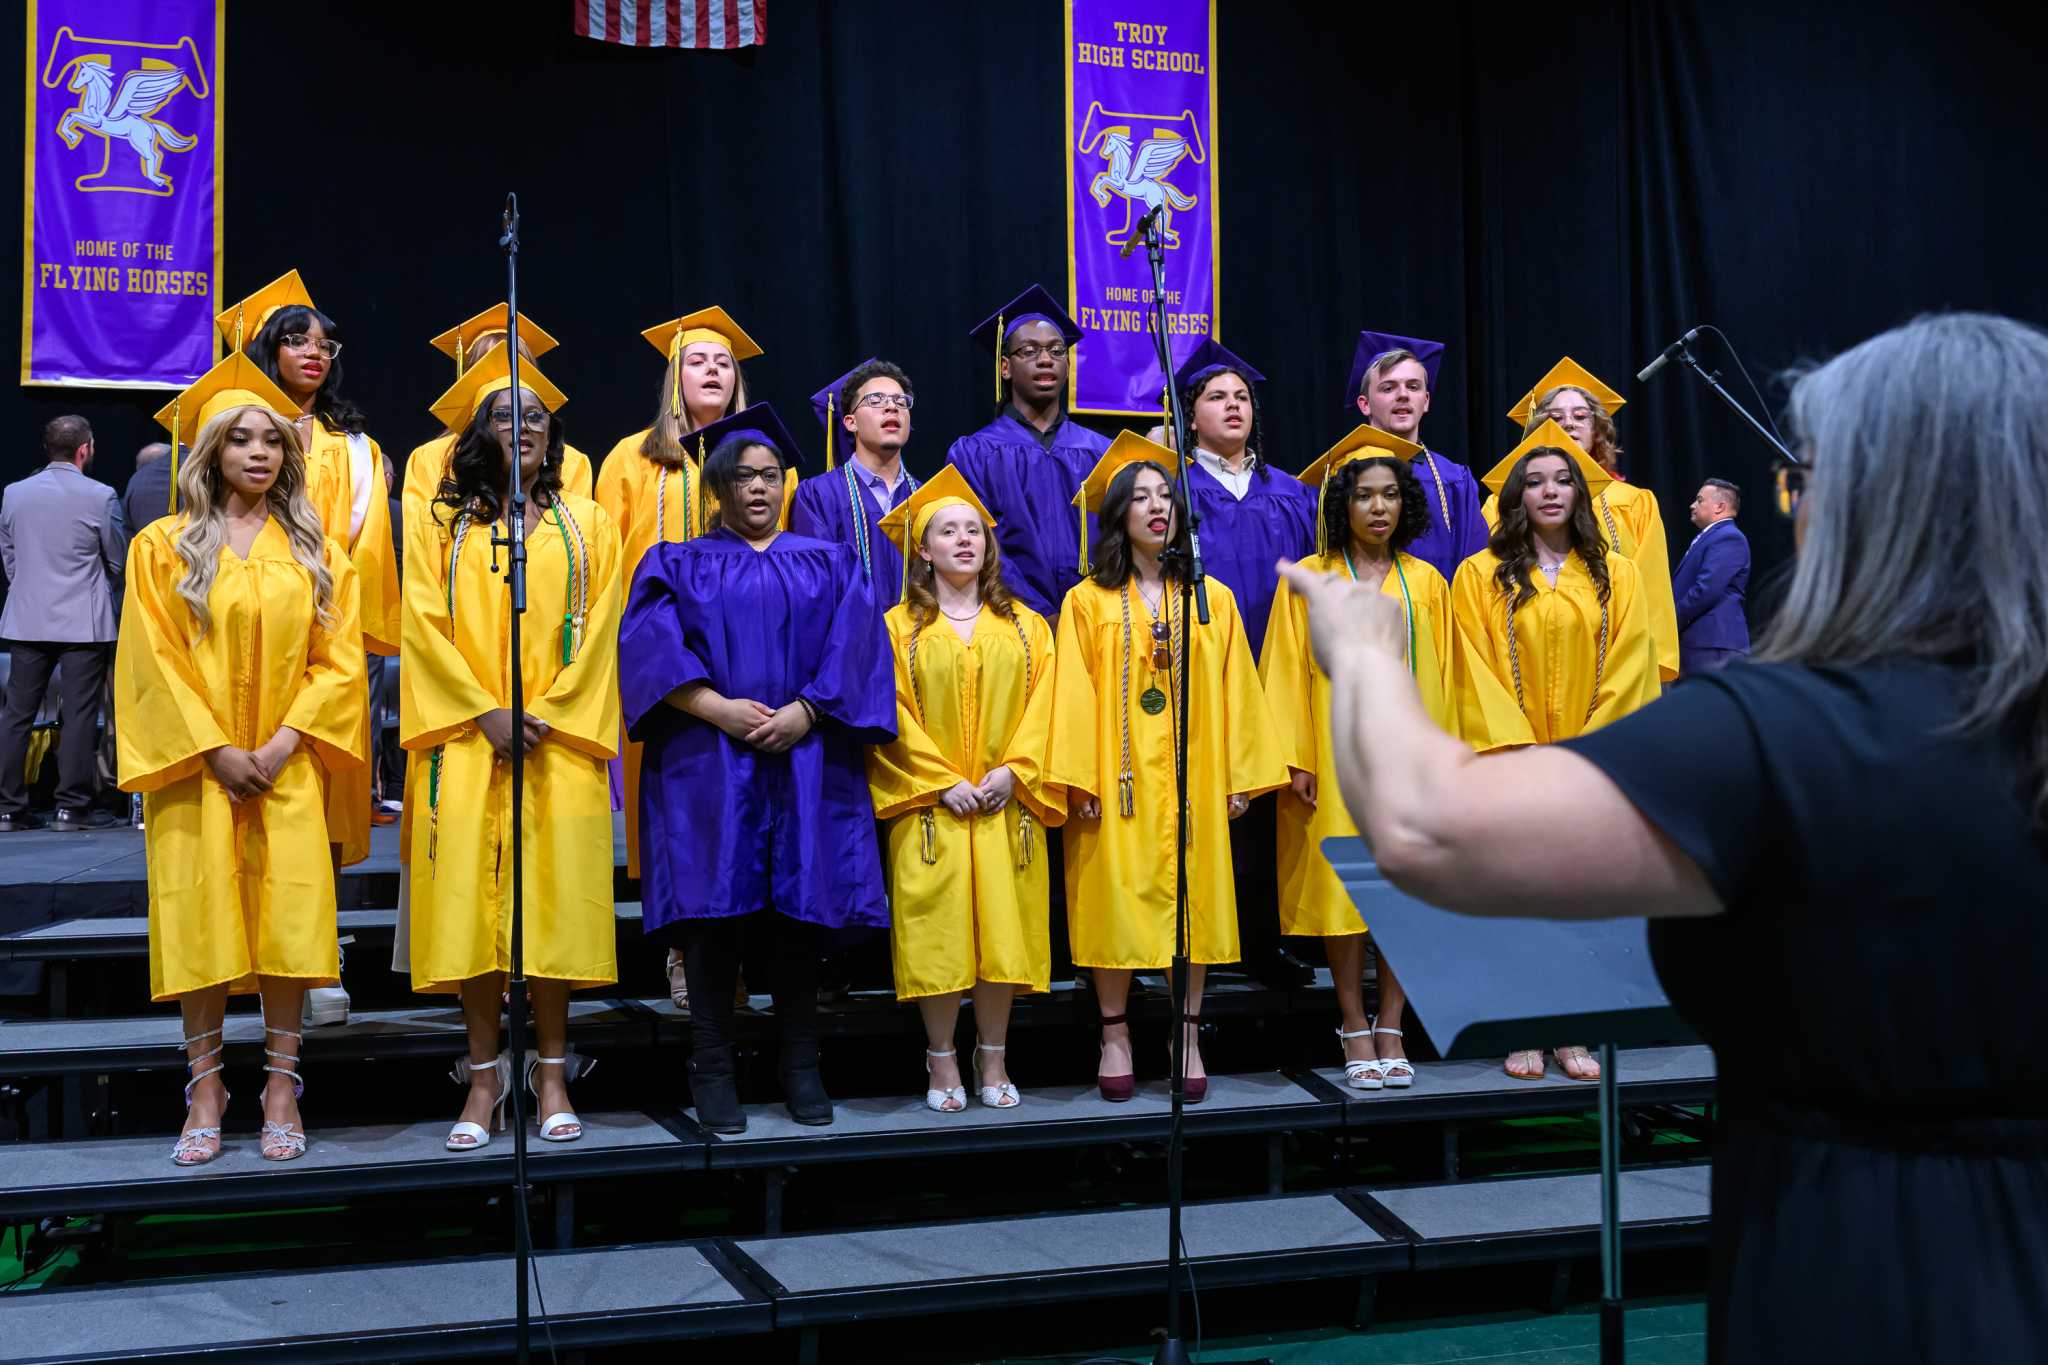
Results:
[63, 543]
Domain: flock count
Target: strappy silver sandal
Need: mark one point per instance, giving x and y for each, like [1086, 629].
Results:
[953, 1098]
[1002, 1096]
[1363, 1075]
[280, 1141]
[1398, 1073]
[191, 1148]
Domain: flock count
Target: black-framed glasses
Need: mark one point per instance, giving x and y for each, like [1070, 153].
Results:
[299, 341]
[1162, 646]
[1788, 486]
[1031, 350]
[900, 401]
[746, 474]
[531, 419]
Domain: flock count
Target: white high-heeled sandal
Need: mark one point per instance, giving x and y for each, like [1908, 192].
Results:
[1398, 1073]
[288, 1144]
[565, 1126]
[1002, 1096]
[954, 1095]
[191, 1142]
[466, 1136]
[1365, 1075]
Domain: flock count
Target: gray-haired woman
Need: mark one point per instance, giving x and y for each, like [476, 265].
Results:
[1844, 846]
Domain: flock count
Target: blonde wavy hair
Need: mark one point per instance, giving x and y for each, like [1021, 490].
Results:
[663, 443]
[202, 493]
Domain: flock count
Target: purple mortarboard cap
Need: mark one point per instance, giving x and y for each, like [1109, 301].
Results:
[1373, 345]
[1034, 303]
[825, 407]
[1209, 357]
[759, 421]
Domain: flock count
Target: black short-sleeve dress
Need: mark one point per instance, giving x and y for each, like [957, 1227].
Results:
[1877, 998]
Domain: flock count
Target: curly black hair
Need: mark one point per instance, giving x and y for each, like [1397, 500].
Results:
[1337, 503]
[475, 481]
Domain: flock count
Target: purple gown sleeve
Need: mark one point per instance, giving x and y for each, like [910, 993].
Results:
[855, 683]
[653, 658]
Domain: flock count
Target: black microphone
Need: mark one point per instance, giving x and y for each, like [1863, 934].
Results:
[1668, 354]
[1145, 225]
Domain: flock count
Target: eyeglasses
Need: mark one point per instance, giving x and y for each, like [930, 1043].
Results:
[531, 419]
[899, 401]
[1031, 350]
[745, 474]
[299, 341]
[1162, 646]
[1790, 487]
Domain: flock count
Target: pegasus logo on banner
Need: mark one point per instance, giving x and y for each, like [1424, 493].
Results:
[124, 112]
[1138, 171]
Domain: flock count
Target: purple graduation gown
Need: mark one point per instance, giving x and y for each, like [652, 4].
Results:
[1030, 492]
[726, 829]
[824, 509]
[1243, 538]
[1441, 549]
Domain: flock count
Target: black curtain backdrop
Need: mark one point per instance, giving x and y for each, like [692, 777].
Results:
[883, 175]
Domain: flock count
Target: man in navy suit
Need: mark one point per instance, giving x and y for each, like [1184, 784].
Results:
[1710, 582]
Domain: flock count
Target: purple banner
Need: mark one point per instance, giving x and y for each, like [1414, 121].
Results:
[1141, 134]
[121, 252]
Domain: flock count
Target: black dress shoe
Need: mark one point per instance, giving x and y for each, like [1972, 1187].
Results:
[21, 820]
[90, 818]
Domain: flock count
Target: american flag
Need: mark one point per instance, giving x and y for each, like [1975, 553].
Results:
[674, 23]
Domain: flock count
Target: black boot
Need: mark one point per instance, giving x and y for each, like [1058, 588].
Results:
[803, 1090]
[714, 1092]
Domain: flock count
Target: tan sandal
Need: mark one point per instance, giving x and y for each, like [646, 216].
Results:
[1531, 1057]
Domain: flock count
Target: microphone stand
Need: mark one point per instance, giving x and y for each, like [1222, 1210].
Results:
[1194, 609]
[1712, 379]
[513, 538]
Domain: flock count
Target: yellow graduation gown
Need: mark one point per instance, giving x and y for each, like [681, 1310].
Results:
[236, 890]
[650, 510]
[454, 671]
[1557, 639]
[1312, 900]
[968, 895]
[1629, 522]
[428, 465]
[1120, 868]
[330, 487]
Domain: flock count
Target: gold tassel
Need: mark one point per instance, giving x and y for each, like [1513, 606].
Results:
[1023, 838]
[1322, 527]
[1082, 509]
[831, 435]
[238, 327]
[999, 358]
[928, 836]
[460, 350]
[177, 435]
[1126, 798]
[675, 369]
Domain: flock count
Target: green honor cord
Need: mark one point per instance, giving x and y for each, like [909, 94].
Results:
[1407, 602]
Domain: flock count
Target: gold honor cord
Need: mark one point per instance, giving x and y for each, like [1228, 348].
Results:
[1126, 781]
[1599, 660]
[1443, 501]
[1407, 603]
[928, 833]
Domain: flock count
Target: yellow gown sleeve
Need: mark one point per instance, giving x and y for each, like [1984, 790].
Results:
[439, 696]
[328, 706]
[911, 771]
[612, 492]
[581, 706]
[1286, 670]
[423, 471]
[1258, 762]
[1652, 559]
[1030, 743]
[376, 565]
[1488, 715]
[165, 724]
[1433, 612]
[575, 472]
[1629, 681]
[1073, 763]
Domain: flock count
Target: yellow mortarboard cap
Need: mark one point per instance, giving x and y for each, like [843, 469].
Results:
[457, 340]
[906, 523]
[1362, 442]
[241, 322]
[1127, 449]
[1550, 434]
[1566, 372]
[493, 375]
[706, 324]
[236, 382]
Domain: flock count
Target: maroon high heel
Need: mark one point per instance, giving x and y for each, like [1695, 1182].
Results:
[1116, 1089]
[1194, 1089]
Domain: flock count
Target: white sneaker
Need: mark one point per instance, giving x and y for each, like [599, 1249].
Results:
[326, 1005]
